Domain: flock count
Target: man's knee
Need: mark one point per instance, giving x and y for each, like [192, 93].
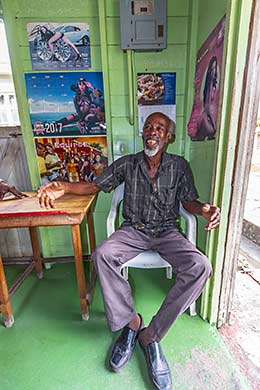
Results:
[103, 253]
[203, 266]
[99, 252]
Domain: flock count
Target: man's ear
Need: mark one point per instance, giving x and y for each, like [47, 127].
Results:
[170, 138]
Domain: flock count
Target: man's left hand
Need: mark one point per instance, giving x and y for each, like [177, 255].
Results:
[5, 188]
[212, 215]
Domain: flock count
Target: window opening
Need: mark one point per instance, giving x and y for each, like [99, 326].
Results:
[8, 105]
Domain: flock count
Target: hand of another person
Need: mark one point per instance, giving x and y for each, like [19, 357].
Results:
[5, 188]
[49, 192]
[212, 215]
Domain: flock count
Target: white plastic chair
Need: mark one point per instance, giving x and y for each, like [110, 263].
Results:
[149, 259]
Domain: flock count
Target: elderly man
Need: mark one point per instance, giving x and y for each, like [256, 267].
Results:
[155, 183]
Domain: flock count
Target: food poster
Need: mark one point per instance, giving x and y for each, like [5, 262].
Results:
[71, 159]
[66, 104]
[156, 93]
[203, 120]
[55, 46]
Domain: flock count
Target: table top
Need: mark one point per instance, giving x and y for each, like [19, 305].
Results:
[69, 210]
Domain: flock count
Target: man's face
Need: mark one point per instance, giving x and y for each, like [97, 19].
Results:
[40, 151]
[155, 134]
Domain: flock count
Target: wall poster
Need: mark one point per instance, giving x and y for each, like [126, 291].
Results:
[156, 93]
[71, 159]
[55, 46]
[203, 120]
[68, 122]
[64, 104]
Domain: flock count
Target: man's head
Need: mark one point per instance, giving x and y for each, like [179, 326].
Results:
[40, 149]
[158, 131]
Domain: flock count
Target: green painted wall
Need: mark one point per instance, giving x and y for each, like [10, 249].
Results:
[188, 25]
[202, 154]
[57, 241]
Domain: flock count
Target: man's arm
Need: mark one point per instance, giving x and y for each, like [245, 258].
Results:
[209, 212]
[54, 190]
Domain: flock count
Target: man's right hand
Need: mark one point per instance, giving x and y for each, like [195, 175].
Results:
[51, 191]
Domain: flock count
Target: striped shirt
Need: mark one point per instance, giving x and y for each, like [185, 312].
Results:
[151, 207]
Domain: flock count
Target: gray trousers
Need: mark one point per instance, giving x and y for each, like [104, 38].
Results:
[191, 267]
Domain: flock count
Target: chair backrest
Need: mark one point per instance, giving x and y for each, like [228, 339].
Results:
[190, 220]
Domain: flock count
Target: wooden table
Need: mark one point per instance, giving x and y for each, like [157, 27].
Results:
[26, 212]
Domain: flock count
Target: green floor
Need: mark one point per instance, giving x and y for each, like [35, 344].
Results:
[50, 348]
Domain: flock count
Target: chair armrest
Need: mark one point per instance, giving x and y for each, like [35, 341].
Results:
[111, 218]
[191, 224]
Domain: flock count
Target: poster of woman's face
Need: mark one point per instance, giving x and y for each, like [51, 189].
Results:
[66, 104]
[202, 125]
[56, 46]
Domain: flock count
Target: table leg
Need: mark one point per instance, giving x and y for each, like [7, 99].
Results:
[36, 252]
[91, 233]
[92, 243]
[5, 304]
[76, 240]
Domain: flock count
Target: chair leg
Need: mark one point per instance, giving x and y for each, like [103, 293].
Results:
[193, 309]
[124, 271]
[169, 272]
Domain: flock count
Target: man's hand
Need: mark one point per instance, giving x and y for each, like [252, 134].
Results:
[51, 191]
[212, 215]
[207, 211]
[5, 188]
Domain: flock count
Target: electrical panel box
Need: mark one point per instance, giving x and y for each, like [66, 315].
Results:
[143, 24]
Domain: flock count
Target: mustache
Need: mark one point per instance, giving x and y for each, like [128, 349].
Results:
[155, 137]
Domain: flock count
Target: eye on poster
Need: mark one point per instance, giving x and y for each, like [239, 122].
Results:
[66, 104]
[56, 46]
[203, 120]
[71, 159]
[156, 93]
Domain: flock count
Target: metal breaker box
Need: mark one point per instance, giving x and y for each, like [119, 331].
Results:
[143, 24]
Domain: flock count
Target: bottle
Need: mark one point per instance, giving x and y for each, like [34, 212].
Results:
[73, 172]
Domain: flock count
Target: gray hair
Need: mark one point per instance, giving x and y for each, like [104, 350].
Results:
[172, 125]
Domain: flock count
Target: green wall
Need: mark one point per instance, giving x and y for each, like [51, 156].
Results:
[57, 241]
[202, 154]
[179, 57]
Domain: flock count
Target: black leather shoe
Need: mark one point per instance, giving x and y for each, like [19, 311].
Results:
[157, 366]
[123, 347]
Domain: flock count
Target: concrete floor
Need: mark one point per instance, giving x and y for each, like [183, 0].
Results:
[243, 334]
[50, 348]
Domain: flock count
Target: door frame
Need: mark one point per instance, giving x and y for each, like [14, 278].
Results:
[247, 120]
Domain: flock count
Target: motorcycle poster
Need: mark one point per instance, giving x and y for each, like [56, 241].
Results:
[55, 46]
[66, 104]
[156, 93]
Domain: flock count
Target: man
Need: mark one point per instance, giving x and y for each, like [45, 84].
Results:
[155, 183]
[40, 148]
[53, 163]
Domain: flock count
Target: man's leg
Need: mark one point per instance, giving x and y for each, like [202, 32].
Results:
[192, 270]
[108, 257]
